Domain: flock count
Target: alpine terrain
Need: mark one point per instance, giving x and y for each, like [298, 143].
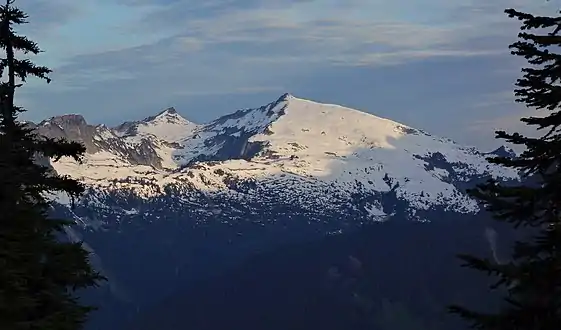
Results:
[169, 201]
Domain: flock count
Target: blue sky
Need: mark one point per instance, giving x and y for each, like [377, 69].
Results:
[442, 66]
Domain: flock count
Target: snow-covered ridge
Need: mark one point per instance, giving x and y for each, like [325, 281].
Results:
[168, 125]
[293, 146]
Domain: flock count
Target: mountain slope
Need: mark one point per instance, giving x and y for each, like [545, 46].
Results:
[180, 201]
[362, 280]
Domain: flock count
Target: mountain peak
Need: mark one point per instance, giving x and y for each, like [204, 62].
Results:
[503, 151]
[286, 97]
[68, 119]
[168, 111]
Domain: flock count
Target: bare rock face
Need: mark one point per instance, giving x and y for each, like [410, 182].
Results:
[99, 138]
[70, 127]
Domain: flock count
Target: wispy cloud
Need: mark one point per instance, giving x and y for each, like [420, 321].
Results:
[259, 34]
[50, 14]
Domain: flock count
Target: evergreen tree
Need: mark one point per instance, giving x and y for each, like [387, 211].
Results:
[39, 273]
[532, 279]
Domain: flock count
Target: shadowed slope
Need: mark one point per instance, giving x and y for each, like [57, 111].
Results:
[392, 275]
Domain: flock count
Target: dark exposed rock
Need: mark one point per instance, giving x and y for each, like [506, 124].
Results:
[98, 138]
[71, 127]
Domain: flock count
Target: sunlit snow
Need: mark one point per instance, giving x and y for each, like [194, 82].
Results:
[304, 146]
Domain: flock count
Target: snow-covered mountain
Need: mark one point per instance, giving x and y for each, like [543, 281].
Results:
[304, 151]
[190, 198]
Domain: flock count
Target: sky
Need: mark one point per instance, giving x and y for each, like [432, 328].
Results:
[438, 65]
